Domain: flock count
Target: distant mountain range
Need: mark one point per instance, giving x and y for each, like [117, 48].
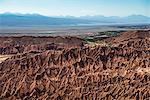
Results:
[116, 19]
[10, 19]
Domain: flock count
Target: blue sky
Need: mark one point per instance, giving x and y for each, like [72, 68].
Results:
[77, 7]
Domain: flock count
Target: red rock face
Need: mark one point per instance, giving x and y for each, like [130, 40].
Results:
[14, 45]
[109, 73]
[134, 39]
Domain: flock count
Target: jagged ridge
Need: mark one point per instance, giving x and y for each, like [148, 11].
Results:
[78, 73]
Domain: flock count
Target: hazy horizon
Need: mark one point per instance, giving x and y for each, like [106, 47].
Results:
[18, 13]
[77, 8]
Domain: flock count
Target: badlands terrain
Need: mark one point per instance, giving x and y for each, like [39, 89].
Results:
[68, 68]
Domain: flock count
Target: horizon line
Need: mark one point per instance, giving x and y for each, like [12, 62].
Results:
[15, 13]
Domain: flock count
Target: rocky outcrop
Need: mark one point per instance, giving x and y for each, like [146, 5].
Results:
[14, 45]
[133, 39]
[107, 73]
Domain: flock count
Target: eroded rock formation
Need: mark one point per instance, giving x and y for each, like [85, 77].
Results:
[14, 45]
[98, 73]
